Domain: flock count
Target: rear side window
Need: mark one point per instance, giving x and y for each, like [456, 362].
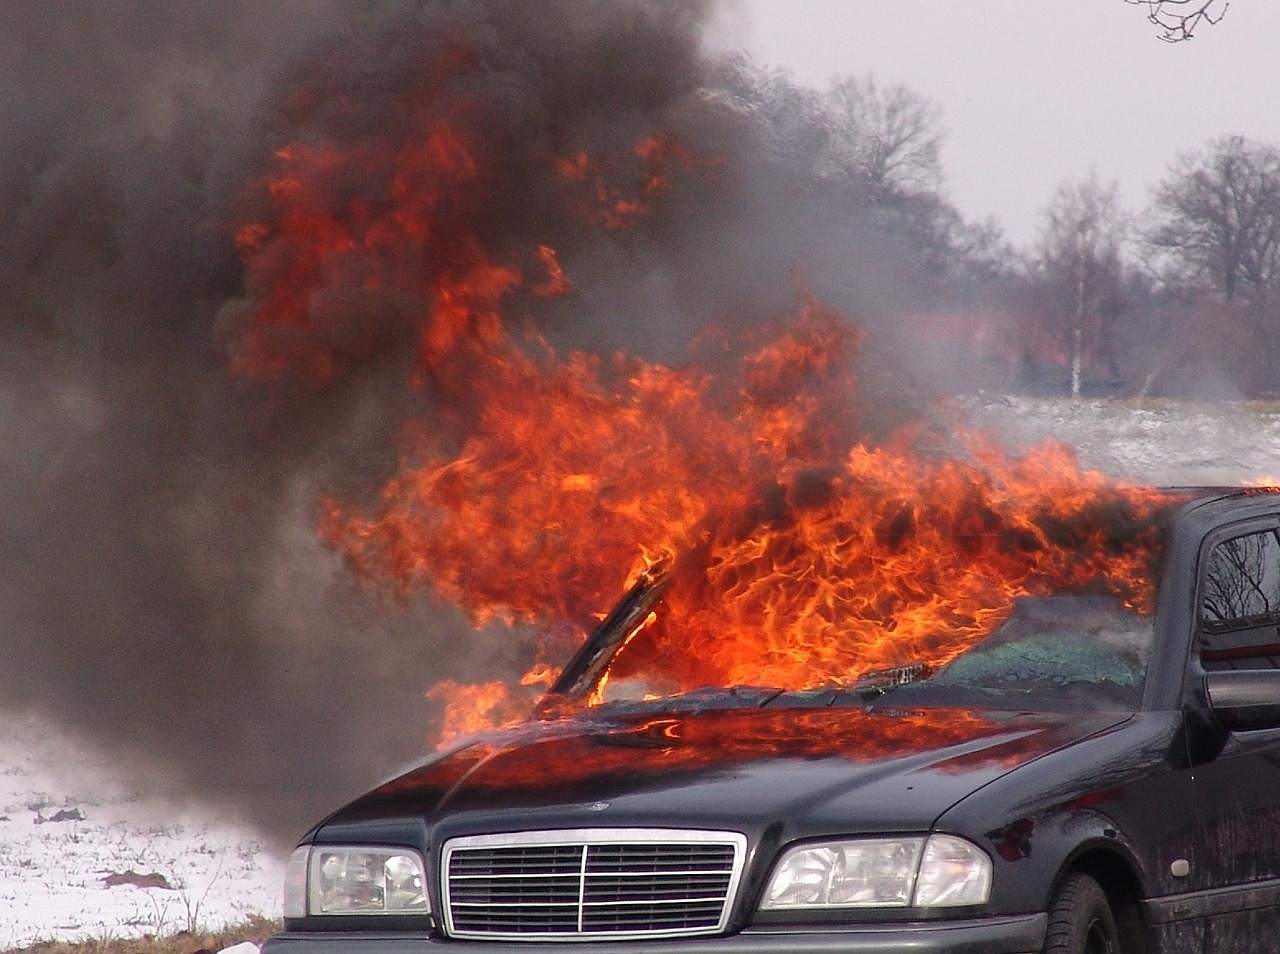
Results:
[1240, 609]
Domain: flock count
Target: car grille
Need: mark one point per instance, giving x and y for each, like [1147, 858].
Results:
[591, 883]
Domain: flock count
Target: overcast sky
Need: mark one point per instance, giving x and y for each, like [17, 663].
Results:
[1036, 92]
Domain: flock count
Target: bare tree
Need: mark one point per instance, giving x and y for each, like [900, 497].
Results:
[883, 142]
[1179, 19]
[889, 137]
[1080, 266]
[1216, 223]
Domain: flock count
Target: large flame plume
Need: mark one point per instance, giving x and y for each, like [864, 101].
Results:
[544, 479]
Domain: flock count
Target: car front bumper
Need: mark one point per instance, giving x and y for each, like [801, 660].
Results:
[1021, 934]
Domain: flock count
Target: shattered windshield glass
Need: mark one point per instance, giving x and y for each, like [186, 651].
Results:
[1053, 652]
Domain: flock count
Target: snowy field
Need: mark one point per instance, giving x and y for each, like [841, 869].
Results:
[1162, 443]
[84, 854]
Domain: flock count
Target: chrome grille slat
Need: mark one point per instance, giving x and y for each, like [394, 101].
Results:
[591, 883]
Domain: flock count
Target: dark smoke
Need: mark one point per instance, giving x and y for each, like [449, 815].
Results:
[163, 592]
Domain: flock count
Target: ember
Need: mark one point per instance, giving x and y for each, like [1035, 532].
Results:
[546, 479]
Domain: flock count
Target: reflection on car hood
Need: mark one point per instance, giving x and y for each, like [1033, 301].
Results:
[810, 765]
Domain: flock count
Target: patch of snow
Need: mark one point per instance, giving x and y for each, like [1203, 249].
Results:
[85, 855]
[1163, 444]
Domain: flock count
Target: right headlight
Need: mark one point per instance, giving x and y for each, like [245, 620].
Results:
[354, 879]
[937, 871]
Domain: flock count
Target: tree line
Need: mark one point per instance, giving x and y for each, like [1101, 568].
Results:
[1182, 299]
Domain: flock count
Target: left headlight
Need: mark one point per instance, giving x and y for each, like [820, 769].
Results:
[354, 879]
[937, 871]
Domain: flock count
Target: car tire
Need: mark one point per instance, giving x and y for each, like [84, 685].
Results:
[1080, 919]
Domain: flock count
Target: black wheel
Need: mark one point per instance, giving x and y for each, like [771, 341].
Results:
[1080, 919]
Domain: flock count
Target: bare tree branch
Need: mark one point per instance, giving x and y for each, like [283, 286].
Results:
[886, 136]
[1079, 266]
[1215, 222]
[1179, 19]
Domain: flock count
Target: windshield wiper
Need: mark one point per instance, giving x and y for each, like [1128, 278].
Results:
[879, 681]
[583, 671]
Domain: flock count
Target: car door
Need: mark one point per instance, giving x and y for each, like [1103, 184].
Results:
[1237, 790]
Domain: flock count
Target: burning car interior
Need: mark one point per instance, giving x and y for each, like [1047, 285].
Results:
[1084, 650]
[1058, 635]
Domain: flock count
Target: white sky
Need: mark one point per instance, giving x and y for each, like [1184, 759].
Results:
[1035, 93]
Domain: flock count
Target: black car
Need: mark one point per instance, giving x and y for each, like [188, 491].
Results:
[1091, 776]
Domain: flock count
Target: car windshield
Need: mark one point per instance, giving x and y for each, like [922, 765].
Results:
[1072, 634]
[1055, 653]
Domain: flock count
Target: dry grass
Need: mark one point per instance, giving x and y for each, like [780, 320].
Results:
[256, 929]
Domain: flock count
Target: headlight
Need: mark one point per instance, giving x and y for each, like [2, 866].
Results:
[938, 871]
[354, 879]
[953, 872]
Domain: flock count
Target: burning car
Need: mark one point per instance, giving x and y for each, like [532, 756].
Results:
[1094, 767]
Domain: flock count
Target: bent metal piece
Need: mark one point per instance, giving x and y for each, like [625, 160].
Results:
[594, 656]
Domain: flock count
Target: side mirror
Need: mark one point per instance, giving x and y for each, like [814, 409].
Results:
[1244, 699]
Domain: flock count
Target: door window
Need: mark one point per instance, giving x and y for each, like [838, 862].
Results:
[1240, 609]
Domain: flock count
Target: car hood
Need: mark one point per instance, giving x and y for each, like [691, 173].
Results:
[811, 769]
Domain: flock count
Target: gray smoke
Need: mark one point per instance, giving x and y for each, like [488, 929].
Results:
[162, 590]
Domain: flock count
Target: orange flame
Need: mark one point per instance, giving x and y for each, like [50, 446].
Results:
[471, 709]
[609, 206]
[792, 572]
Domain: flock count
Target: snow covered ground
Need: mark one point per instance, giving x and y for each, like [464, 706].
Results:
[85, 854]
[1163, 443]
